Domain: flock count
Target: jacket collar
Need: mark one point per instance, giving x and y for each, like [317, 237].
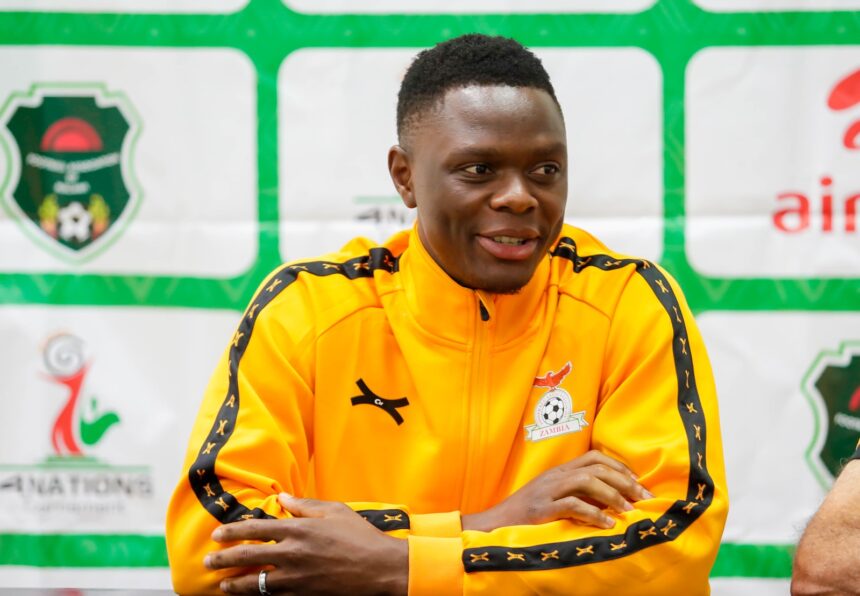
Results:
[445, 309]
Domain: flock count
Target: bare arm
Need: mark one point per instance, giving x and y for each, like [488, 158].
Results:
[828, 556]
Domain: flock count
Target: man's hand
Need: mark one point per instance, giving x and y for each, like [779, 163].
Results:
[576, 490]
[326, 548]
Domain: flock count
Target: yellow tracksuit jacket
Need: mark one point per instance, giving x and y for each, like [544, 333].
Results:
[371, 377]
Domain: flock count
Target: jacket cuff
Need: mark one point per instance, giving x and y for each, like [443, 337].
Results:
[441, 525]
[435, 566]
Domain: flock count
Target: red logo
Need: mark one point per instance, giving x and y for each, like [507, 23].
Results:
[846, 94]
[552, 379]
[795, 214]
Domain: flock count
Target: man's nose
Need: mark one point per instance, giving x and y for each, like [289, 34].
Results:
[513, 195]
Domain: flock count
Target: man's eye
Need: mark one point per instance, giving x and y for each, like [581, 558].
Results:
[479, 168]
[547, 169]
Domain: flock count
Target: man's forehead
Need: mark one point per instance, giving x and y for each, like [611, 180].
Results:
[476, 108]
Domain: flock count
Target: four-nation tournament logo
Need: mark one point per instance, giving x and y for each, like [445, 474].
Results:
[68, 154]
[832, 386]
[72, 480]
[554, 413]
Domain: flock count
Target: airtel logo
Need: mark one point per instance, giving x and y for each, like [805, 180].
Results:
[846, 94]
[796, 208]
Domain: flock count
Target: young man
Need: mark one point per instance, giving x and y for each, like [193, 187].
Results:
[480, 405]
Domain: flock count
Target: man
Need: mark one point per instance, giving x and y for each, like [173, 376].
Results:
[480, 405]
[828, 555]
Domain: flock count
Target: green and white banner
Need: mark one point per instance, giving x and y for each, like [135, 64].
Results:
[158, 158]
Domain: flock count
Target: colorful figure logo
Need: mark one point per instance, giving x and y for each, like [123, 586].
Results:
[66, 362]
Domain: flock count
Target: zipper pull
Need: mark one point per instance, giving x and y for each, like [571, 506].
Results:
[485, 314]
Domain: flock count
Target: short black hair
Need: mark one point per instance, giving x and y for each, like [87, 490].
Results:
[472, 59]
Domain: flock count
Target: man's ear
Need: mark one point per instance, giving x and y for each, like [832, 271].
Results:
[400, 169]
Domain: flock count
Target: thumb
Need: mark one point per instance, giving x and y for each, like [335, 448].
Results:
[300, 507]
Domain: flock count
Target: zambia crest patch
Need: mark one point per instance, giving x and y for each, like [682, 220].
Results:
[554, 413]
[832, 385]
[69, 156]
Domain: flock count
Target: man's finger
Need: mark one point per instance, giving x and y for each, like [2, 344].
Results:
[621, 482]
[250, 583]
[264, 530]
[245, 555]
[577, 509]
[596, 490]
[300, 507]
[596, 457]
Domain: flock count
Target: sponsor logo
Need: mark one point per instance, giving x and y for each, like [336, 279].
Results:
[835, 209]
[71, 479]
[832, 386]
[554, 413]
[389, 406]
[69, 159]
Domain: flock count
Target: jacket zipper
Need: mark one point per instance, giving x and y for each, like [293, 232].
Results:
[476, 399]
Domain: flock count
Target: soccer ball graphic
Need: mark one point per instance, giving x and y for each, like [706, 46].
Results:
[552, 411]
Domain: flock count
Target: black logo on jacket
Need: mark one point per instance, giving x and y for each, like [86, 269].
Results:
[388, 405]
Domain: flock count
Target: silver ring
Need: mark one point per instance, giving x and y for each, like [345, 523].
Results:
[261, 582]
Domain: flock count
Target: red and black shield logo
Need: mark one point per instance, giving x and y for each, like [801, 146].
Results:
[72, 149]
[834, 385]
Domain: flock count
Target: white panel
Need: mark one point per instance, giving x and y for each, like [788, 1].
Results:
[337, 121]
[772, 424]
[759, 125]
[467, 6]
[196, 168]
[146, 370]
[749, 587]
[86, 582]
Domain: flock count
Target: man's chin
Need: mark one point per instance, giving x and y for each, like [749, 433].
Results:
[501, 286]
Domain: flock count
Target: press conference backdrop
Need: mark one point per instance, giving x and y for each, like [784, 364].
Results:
[159, 157]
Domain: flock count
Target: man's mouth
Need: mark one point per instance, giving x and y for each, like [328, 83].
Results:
[509, 240]
[509, 248]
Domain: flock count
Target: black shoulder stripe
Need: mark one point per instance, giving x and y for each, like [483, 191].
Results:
[644, 533]
[204, 481]
[386, 519]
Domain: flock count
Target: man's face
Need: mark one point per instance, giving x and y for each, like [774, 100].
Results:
[487, 170]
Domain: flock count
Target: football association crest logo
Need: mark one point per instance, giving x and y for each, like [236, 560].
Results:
[68, 177]
[554, 413]
[832, 386]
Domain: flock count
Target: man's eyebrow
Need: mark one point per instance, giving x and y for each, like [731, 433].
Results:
[489, 151]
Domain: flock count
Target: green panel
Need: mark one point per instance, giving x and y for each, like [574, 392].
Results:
[754, 560]
[83, 550]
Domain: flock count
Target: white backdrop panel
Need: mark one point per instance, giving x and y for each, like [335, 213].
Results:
[759, 125]
[197, 167]
[146, 370]
[760, 361]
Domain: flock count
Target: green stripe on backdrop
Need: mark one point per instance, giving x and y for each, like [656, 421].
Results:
[136, 551]
[83, 550]
[754, 560]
